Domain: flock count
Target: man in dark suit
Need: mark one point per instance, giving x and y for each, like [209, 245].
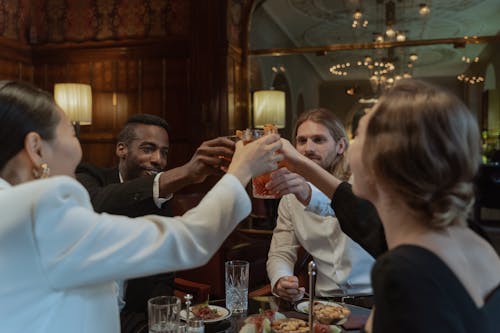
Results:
[141, 186]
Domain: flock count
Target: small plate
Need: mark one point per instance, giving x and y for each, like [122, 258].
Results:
[223, 314]
[304, 308]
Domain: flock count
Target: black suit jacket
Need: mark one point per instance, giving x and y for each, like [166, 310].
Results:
[132, 198]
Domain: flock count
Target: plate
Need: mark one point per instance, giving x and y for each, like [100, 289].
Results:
[223, 312]
[304, 305]
[304, 308]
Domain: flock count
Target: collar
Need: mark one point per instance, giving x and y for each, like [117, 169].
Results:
[4, 184]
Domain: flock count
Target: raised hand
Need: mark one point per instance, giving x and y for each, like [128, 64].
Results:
[292, 156]
[288, 288]
[211, 158]
[255, 158]
[283, 181]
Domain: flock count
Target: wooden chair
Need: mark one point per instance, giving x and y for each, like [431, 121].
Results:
[200, 291]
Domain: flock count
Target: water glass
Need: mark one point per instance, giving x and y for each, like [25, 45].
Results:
[195, 326]
[163, 314]
[236, 279]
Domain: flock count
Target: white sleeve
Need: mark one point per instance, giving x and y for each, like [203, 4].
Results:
[79, 247]
[284, 245]
[319, 204]
[156, 192]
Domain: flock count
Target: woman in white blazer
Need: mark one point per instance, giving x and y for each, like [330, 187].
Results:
[58, 258]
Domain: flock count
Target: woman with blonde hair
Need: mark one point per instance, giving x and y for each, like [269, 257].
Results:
[415, 158]
[60, 258]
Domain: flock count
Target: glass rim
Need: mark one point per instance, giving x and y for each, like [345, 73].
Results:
[237, 263]
[162, 300]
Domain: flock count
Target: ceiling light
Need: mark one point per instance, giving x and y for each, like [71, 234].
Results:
[357, 14]
[424, 10]
[351, 91]
[400, 37]
[390, 32]
[413, 57]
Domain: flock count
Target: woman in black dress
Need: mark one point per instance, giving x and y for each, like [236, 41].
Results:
[415, 158]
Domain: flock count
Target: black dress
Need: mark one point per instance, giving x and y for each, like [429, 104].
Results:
[415, 291]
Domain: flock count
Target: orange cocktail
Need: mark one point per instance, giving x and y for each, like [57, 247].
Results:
[259, 183]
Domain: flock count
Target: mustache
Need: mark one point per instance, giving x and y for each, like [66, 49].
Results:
[312, 156]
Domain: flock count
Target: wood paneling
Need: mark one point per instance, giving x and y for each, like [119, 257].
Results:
[15, 61]
[146, 77]
[181, 67]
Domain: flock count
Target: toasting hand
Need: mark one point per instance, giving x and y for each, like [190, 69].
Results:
[256, 158]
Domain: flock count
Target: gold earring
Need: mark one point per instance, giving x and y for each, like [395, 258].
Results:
[45, 171]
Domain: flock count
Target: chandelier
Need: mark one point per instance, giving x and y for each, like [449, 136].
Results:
[470, 78]
[382, 73]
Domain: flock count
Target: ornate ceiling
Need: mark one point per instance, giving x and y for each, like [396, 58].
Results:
[309, 23]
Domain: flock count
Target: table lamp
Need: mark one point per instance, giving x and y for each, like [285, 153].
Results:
[269, 108]
[75, 99]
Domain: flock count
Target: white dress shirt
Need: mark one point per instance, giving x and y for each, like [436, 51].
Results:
[58, 258]
[340, 261]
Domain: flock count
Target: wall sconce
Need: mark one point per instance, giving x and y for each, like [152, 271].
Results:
[75, 99]
[269, 108]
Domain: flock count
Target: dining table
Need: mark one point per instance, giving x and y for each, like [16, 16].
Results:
[234, 322]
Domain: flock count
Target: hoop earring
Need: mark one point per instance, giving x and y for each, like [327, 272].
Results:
[45, 171]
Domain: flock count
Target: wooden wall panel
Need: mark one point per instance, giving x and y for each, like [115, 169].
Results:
[99, 153]
[15, 60]
[9, 70]
[152, 87]
[126, 78]
[176, 67]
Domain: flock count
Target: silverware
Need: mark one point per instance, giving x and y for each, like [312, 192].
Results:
[188, 299]
[311, 270]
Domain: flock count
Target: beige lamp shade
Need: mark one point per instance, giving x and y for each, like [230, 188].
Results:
[269, 108]
[75, 99]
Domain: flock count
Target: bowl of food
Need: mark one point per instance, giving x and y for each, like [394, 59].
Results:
[208, 313]
[330, 313]
[294, 325]
[261, 323]
[325, 312]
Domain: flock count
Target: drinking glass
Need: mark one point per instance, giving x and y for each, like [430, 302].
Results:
[259, 183]
[195, 326]
[236, 280]
[163, 314]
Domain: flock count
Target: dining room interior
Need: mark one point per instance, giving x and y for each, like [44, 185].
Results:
[199, 64]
